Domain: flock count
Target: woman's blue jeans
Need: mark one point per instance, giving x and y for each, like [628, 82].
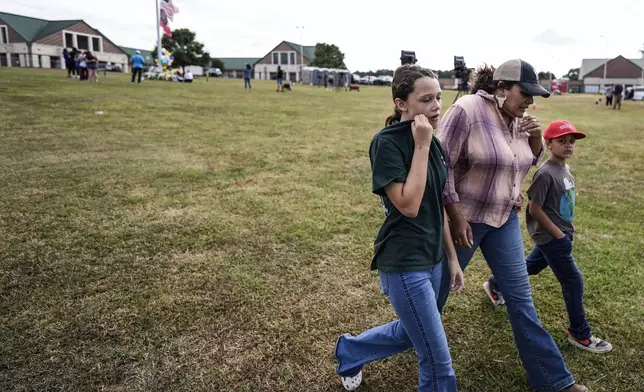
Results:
[503, 250]
[413, 297]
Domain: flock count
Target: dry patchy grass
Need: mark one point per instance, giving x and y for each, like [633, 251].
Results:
[203, 238]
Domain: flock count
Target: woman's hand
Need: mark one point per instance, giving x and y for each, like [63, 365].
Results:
[462, 233]
[531, 126]
[457, 280]
[519, 206]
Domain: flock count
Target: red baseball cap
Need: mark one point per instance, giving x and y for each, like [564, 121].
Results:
[560, 128]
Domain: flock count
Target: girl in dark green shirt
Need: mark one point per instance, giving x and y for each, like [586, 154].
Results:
[409, 173]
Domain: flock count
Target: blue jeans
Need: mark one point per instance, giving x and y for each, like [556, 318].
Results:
[558, 255]
[247, 83]
[503, 250]
[413, 297]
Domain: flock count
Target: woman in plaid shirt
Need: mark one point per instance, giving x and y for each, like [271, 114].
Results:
[490, 145]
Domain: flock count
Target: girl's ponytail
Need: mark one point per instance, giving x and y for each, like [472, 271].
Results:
[394, 118]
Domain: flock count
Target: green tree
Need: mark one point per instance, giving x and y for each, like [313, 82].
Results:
[445, 74]
[388, 72]
[328, 56]
[185, 49]
[573, 74]
[216, 63]
[546, 75]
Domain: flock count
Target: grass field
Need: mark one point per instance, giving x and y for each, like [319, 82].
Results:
[203, 238]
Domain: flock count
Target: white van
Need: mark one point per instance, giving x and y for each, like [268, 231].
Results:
[638, 93]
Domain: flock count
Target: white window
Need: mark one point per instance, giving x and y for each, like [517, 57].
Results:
[81, 41]
[276, 58]
[4, 35]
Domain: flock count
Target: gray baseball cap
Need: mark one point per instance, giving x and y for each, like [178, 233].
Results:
[523, 74]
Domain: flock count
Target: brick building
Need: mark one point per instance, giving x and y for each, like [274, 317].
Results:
[629, 72]
[291, 57]
[39, 43]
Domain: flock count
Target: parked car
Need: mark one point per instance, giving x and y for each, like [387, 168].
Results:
[638, 93]
[111, 68]
[215, 72]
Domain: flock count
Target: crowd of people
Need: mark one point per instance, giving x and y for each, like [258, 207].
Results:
[450, 192]
[82, 65]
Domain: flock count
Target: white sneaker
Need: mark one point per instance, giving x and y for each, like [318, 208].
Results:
[495, 296]
[594, 344]
[352, 383]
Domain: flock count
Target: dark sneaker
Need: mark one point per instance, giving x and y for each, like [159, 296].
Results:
[494, 295]
[594, 344]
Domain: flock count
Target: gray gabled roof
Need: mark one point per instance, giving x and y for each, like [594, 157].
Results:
[589, 65]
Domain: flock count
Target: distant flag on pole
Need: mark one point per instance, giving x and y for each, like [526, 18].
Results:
[169, 8]
[167, 13]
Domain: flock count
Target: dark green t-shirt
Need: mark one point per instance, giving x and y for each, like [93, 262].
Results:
[407, 244]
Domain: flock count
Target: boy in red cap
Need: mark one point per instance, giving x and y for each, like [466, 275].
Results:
[549, 221]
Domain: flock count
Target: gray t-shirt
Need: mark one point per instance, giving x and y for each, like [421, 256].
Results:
[553, 187]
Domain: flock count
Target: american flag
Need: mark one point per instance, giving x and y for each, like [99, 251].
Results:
[167, 13]
[164, 24]
[169, 8]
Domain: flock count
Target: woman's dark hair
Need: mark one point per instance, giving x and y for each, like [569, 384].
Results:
[403, 84]
[483, 79]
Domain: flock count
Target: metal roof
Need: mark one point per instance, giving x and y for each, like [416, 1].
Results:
[231, 63]
[33, 29]
[309, 51]
[27, 27]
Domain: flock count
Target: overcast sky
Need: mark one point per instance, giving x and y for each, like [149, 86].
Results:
[551, 35]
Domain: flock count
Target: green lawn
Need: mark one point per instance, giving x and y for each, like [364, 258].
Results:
[204, 238]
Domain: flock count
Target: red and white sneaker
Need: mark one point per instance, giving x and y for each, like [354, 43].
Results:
[494, 295]
[594, 344]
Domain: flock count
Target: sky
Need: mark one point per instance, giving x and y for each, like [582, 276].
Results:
[551, 35]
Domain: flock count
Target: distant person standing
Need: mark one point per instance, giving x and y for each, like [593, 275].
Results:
[137, 66]
[609, 95]
[280, 78]
[82, 66]
[247, 72]
[618, 89]
[76, 55]
[69, 62]
[92, 67]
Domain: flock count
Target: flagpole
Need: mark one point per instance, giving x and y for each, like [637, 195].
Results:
[158, 22]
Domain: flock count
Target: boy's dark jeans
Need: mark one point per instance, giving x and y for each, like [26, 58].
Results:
[558, 255]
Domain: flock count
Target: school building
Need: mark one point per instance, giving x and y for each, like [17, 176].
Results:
[39, 43]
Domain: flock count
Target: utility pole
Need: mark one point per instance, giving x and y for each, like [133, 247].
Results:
[301, 29]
